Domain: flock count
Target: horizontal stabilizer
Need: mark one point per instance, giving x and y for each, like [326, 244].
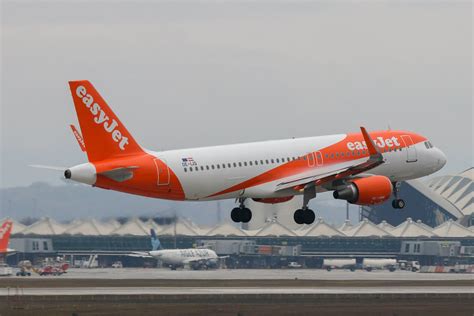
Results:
[48, 167]
[119, 174]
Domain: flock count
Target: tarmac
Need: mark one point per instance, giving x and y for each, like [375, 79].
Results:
[252, 274]
[238, 292]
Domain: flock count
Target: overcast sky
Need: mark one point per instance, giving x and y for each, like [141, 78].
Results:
[185, 74]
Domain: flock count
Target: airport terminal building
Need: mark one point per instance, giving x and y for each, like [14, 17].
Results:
[273, 245]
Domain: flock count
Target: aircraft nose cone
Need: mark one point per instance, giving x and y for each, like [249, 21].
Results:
[441, 157]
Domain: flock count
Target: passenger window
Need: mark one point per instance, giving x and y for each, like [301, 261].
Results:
[273, 161]
[185, 170]
[240, 164]
[277, 160]
[261, 162]
[202, 168]
[342, 154]
[337, 154]
[235, 165]
[256, 162]
[250, 163]
[207, 167]
[223, 166]
[266, 161]
[212, 167]
[245, 163]
[190, 168]
[229, 165]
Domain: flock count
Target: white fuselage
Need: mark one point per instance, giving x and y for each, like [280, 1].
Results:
[181, 257]
[204, 171]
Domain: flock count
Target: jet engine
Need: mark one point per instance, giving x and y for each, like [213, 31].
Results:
[366, 191]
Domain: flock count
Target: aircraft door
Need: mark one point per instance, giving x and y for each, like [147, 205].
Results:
[162, 172]
[319, 158]
[310, 158]
[410, 147]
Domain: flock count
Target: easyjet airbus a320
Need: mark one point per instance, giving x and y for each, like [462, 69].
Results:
[362, 168]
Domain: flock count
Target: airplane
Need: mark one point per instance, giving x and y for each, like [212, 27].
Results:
[361, 168]
[5, 231]
[197, 259]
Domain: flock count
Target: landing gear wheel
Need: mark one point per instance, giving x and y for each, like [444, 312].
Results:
[398, 203]
[308, 217]
[245, 215]
[299, 216]
[235, 215]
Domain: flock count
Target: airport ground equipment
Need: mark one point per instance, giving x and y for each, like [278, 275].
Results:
[5, 270]
[343, 263]
[370, 264]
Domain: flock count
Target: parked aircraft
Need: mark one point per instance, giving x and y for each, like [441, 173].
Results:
[361, 168]
[197, 259]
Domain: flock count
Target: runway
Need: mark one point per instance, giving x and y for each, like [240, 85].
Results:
[235, 290]
[252, 274]
[238, 292]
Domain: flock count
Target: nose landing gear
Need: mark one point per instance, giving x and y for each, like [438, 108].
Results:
[241, 214]
[397, 203]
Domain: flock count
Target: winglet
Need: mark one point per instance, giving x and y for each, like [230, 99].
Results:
[373, 150]
[79, 138]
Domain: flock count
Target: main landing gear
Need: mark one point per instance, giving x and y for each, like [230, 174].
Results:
[305, 215]
[241, 213]
[397, 203]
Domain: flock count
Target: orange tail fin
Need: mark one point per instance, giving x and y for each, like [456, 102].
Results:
[5, 231]
[104, 135]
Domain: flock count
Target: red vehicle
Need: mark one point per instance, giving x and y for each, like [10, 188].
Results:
[53, 270]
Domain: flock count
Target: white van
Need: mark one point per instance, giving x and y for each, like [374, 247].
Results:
[5, 270]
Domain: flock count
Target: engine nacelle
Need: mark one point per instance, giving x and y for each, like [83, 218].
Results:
[366, 191]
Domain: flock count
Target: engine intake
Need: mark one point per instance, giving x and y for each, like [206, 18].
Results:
[366, 191]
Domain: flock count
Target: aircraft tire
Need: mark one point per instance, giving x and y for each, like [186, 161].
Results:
[246, 215]
[308, 217]
[235, 215]
[299, 216]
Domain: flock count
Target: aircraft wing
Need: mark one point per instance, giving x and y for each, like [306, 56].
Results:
[324, 175]
[140, 254]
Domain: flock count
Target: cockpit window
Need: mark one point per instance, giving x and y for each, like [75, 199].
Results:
[428, 145]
